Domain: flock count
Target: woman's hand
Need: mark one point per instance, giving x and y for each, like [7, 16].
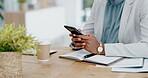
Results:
[77, 41]
[91, 43]
[87, 42]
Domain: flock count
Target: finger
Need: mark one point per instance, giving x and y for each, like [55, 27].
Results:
[79, 44]
[83, 37]
[72, 35]
[77, 47]
[85, 41]
[81, 47]
[76, 39]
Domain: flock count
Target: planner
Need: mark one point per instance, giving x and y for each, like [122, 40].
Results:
[96, 59]
[130, 62]
[143, 69]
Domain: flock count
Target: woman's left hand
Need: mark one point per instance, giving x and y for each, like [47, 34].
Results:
[91, 42]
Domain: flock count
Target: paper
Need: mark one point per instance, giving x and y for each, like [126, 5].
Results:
[95, 59]
[102, 66]
[103, 59]
[129, 62]
[133, 70]
[79, 55]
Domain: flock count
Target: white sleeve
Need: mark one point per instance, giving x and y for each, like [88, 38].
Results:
[127, 50]
[136, 49]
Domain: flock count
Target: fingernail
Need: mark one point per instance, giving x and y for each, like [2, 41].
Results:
[79, 39]
[84, 43]
[82, 46]
[74, 35]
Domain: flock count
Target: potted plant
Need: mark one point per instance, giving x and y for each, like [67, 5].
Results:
[13, 41]
[22, 5]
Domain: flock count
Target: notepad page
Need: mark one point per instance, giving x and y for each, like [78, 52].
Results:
[145, 66]
[129, 62]
[133, 70]
[78, 54]
[102, 59]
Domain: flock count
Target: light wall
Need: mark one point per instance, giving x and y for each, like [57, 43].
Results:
[48, 24]
[73, 11]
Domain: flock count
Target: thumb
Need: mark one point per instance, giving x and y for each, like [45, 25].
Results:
[89, 34]
[80, 30]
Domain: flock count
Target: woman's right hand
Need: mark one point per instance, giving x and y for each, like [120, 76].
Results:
[77, 42]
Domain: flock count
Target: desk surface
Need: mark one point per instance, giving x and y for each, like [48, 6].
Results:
[63, 68]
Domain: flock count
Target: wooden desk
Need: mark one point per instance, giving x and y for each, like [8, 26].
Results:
[63, 68]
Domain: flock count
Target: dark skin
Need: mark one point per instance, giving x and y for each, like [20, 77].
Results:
[88, 42]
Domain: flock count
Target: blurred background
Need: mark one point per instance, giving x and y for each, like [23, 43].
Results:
[45, 19]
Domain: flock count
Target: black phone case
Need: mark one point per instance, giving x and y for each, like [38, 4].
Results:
[73, 30]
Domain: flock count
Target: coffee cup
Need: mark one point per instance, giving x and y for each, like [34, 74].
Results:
[44, 48]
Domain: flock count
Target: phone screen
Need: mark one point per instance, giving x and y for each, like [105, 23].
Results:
[73, 30]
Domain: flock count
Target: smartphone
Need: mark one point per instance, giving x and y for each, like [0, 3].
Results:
[73, 30]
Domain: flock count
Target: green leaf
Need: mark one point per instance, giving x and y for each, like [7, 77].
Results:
[16, 39]
[22, 1]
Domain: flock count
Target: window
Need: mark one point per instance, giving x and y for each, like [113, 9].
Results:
[87, 5]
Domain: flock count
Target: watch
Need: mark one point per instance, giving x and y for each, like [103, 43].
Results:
[100, 48]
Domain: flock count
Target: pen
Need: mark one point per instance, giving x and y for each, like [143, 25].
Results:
[89, 55]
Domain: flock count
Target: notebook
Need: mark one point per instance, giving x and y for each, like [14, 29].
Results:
[126, 62]
[143, 69]
[129, 62]
[96, 59]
